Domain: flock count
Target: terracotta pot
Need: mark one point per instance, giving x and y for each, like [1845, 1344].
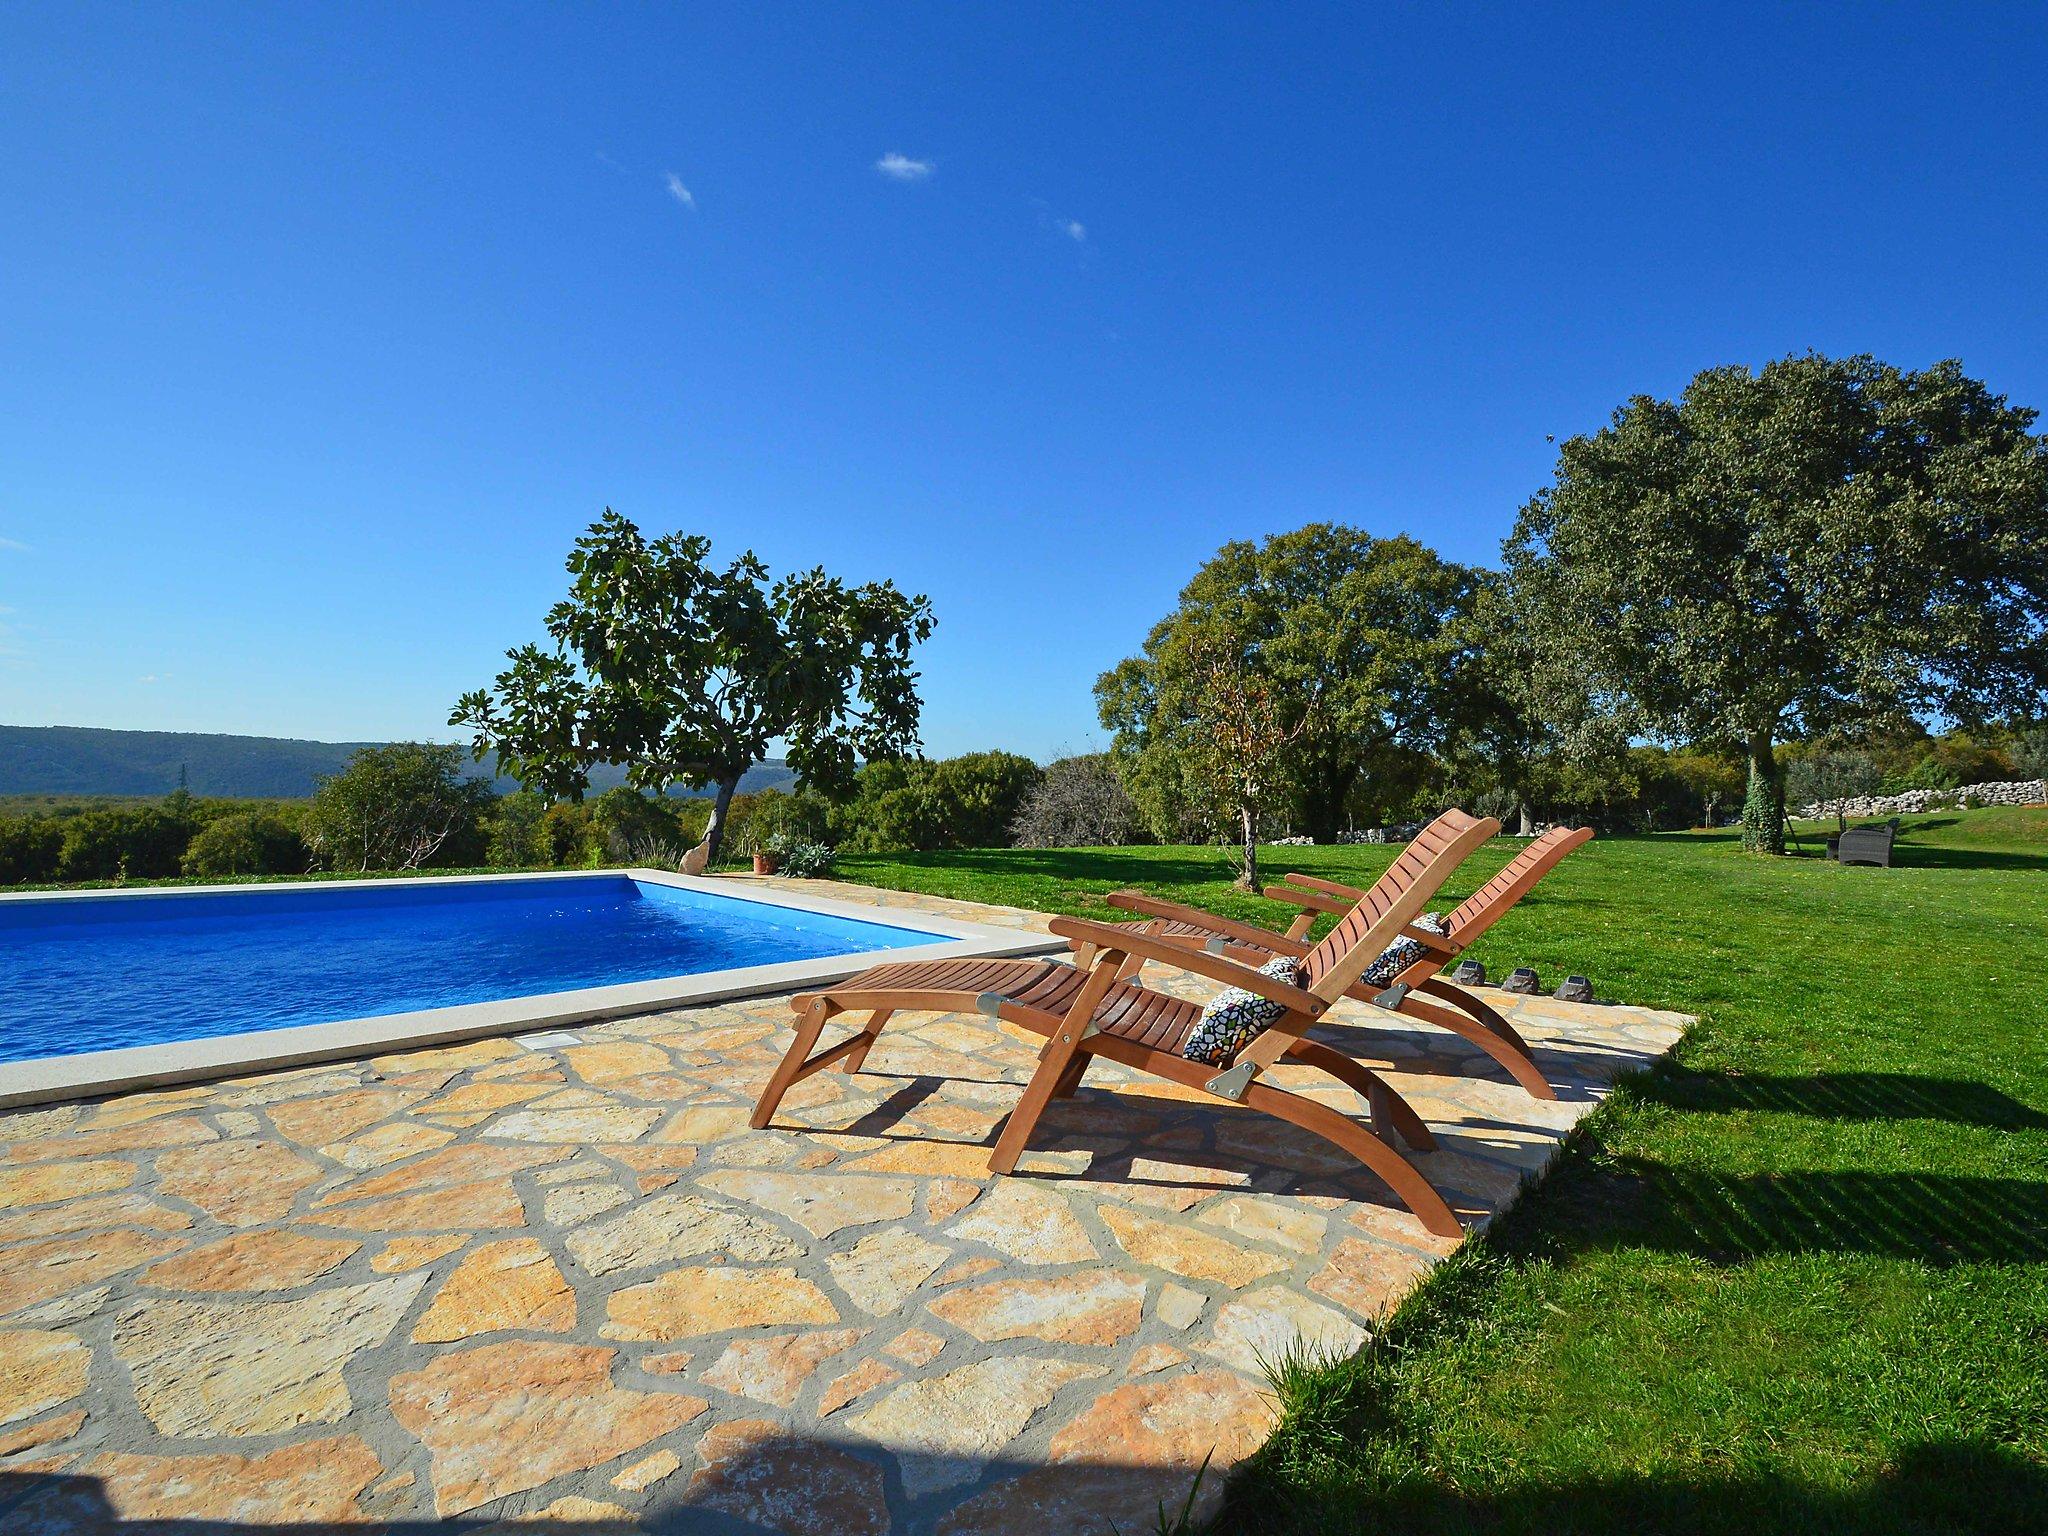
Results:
[764, 863]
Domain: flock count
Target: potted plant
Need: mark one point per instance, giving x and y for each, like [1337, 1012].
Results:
[760, 848]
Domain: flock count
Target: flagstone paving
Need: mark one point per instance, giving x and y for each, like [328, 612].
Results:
[494, 1280]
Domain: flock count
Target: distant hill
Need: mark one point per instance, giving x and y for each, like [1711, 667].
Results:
[81, 760]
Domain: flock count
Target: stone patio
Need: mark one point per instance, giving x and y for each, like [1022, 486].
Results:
[564, 1281]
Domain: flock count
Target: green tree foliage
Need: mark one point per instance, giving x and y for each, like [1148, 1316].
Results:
[403, 806]
[956, 802]
[30, 849]
[518, 836]
[245, 843]
[1363, 644]
[637, 829]
[686, 673]
[1819, 546]
[130, 843]
[568, 835]
[1829, 776]
[2030, 752]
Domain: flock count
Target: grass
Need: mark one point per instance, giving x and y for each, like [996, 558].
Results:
[1793, 1279]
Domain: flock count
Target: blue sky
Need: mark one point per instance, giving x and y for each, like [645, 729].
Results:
[323, 331]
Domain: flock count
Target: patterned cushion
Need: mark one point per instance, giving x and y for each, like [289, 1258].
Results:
[1236, 1017]
[1402, 953]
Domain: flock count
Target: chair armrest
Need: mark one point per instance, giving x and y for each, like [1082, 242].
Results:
[1124, 939]
[1350, 895]
[1310, 901]
[1435, 942]
[1173, 911]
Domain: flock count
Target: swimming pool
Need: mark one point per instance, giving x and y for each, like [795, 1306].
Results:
[154, 981]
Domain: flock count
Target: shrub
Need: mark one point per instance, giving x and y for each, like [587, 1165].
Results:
[568, 836]
[2030, 753]
[958, 802]
[802, 815]
[800, 857]
[403, 806]
[144, 843]
[1078, 802]
[30, 847]
[518, 836]
[245, 843]
[631, 822]
[1830, 776]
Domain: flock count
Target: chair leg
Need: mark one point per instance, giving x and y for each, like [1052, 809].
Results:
[857, 1058]
[1390, 1112]
[1070, 1079]
[1406, 1181]
[807, 1030]
[1053, 1063]
[1477, 1022]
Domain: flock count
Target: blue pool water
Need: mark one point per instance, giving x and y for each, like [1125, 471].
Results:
[90, 974]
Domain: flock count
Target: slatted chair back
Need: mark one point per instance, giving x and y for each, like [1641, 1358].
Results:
[1487, 905]
[1394, 901]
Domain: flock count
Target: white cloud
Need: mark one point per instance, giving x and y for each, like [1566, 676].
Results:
[14, 544]
[902, 168]
[149, 677]
[681, 193]
[1076, 230]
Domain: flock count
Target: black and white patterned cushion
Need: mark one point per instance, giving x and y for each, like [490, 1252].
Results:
[1402, 953]
[1235, 1018]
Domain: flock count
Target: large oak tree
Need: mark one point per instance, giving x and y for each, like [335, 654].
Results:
[685, 673]
[1824, 544]
[1360, 646]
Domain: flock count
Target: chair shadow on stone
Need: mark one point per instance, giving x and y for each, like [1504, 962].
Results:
[1950, 1485]
[778, 1481]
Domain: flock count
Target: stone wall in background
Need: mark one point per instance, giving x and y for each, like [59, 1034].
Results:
[1914, 801]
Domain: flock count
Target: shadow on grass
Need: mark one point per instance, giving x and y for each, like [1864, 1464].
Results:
[1845, 1096]
[1924, 856]
[1933, 1219]
[1937, 1486]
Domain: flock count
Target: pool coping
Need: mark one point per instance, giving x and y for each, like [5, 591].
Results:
[52, 1079]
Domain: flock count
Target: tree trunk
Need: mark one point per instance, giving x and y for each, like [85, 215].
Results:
[1322, 801]
[714, 829]
[1525, 825]
[1248, 818]
[1763, 807]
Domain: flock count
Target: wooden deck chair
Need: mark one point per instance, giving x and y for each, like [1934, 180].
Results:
[1473, 1019]
[1090, 1009]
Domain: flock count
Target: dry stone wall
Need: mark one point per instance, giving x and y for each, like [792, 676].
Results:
[1914, 801]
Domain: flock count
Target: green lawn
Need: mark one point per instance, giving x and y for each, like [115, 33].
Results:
[1795, 1279]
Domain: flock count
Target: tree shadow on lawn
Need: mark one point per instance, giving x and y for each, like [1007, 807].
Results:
[1934, 1487]
[1844, 1096]
[1907, 855]
[1934, 1219]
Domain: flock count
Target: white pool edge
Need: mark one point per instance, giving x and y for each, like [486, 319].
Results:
[90, 1074]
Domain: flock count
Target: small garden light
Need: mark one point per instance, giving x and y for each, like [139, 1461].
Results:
[1470, 973]
[1522, 979]
[1576, 989]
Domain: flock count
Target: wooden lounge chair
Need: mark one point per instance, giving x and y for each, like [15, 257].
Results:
[1465, 1015]
[1090, 1009]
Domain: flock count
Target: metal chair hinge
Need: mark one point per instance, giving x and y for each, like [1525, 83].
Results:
[1392, 998]
[1216, 946]
[1232, 1084]
[991, 1003]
